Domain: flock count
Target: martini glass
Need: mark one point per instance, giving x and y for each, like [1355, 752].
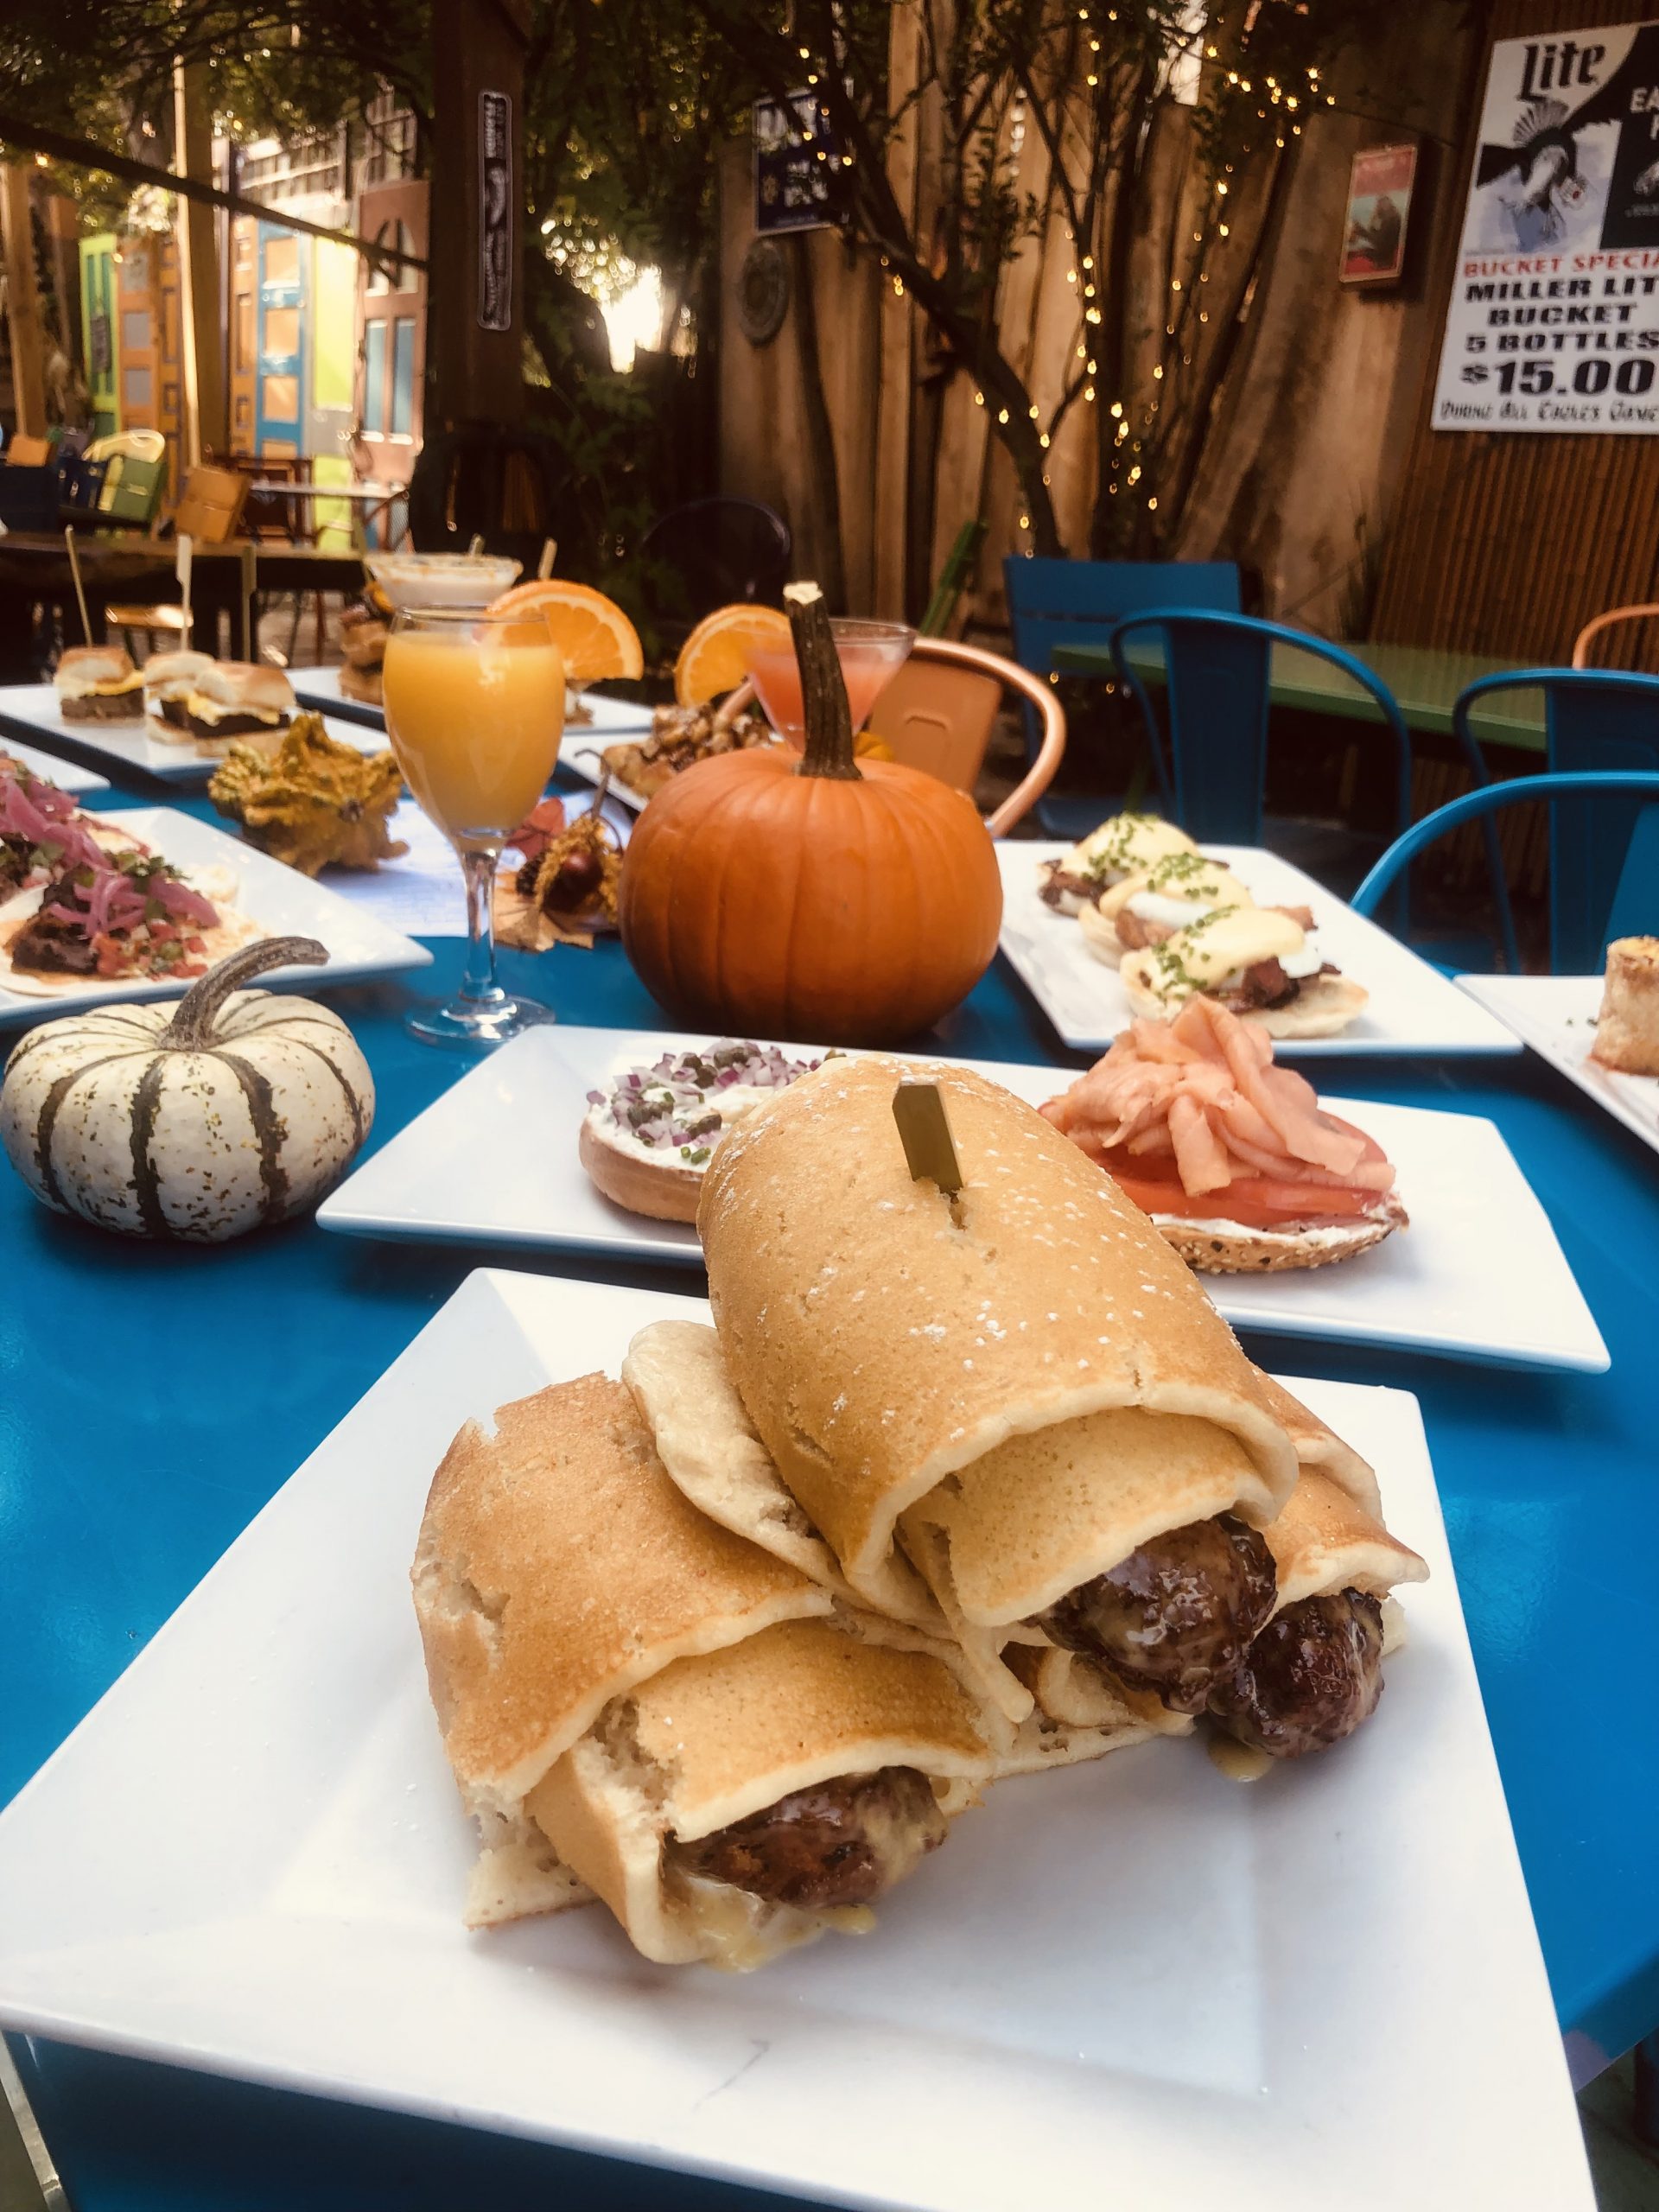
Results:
[474, 708]
[871, 654]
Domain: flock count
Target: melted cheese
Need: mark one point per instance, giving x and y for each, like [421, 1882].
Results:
[738, 1932]
[204, 710]
[103, 687]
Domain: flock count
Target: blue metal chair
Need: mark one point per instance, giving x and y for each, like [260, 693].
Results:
[1055, 603]
[1594, 719]
[1217, 669]
[1629, 901]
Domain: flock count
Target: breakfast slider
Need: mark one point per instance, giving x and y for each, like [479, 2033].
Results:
[1002, 1393]
[1237, 1164]
[218, 703]
[1125, 845]
[365, 629]
[1259, 962]
[98, 683]
[1151, 905]
[641, 1705]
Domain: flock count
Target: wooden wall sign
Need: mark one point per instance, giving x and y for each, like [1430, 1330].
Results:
[795, 153]
[494, 211]
[1553, 323]
[1379, 185]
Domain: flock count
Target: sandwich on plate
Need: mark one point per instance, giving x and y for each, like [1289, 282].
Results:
[1008, 1407]
[211, 704]
[1124, 846]
[1240, 1167]
[649, 1134]
[1151, 905]
[1258, 962]
[98, 683]
[640, 1706]
[365, 627]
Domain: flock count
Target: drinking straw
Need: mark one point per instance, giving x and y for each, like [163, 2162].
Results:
[250, 576]
[187, 548]
[81, 589]
[477, 545]
[550, 554]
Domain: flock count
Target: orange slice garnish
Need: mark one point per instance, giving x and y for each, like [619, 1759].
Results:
[592, 632]
[715, 658]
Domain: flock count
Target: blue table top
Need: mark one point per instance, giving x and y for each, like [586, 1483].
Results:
[1550, 1484]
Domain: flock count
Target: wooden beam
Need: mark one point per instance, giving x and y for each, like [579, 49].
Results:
[475, 313]
[22, 303]
[206, 410]
[897, 329]
[83, 154]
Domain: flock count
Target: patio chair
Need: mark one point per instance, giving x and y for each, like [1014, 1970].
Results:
[1629, 897]
[939, 710]
[712, 553]
[1054, 603]
[1614, 615]
[1594, 719]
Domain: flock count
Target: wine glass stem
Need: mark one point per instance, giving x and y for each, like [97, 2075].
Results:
[478, 979]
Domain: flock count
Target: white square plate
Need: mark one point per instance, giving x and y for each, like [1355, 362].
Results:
[1478, 1273]
[1413, 1008]
[1556, 1016]
[34, 707]
[64, 773]
[1133, 1980]
[288, 903]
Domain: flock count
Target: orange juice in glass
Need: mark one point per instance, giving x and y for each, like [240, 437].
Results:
[474, 707]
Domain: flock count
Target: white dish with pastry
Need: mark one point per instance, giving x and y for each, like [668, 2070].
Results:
[1600, 1031]
[204, 706]
[1140, 922]
[1252, 1995]
[1479, 1273]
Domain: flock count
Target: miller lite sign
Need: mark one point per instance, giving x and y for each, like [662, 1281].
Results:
[1553, 323]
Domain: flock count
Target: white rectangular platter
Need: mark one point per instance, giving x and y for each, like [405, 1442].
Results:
[1414, 1009]
[1478, 1274]
[1556, 1016]
[1131, 1983]
[34, 707]
[288, 903]
[66, 774]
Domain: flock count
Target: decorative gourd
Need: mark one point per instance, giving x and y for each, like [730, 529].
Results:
[765, 894]
[200, 1120]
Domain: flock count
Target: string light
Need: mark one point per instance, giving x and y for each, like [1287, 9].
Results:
[979, 399]
[1002, 414]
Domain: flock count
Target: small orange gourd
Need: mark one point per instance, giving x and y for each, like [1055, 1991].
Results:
[765, 893]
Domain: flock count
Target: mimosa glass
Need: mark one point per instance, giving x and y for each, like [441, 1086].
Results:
[474, 707]
[871, 654]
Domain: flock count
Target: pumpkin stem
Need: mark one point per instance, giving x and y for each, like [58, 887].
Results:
[824, 690]
[192, 1026]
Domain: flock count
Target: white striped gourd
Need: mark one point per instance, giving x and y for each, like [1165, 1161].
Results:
[200, 1120]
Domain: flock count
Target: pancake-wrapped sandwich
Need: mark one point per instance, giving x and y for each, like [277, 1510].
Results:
[641, 1705]
[1314, 1672]
[1011, 1402]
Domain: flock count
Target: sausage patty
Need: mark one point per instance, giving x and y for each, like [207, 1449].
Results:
[1313, 1674]
[839, 1842]
[1174, 1618]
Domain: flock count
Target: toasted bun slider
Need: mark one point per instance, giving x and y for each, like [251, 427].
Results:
[1236, 1161]
[1126, 845]
[1627, 1028]
[639, 1705]
[1257, 961]
[649, 1134]
[210, 704]
[98, 683]
[1004, 1394]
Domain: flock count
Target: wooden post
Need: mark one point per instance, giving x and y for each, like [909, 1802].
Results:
[22, 302]
[206, 404]
[475, 316]
[896, 372]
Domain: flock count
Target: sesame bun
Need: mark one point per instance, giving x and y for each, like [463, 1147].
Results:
[1224, 1248]
[1033, 1338]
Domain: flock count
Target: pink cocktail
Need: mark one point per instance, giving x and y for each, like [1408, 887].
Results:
[871, 654]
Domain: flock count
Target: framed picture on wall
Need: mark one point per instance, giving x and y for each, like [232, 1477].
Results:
[1379, 185]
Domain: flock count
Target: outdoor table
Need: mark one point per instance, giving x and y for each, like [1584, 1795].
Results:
[1424, 680]
[380, 498]
[152, 1398]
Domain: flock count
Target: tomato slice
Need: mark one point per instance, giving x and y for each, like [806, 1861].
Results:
[1152, 1181]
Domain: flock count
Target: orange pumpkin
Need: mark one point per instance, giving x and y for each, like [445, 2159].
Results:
[769, 893]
